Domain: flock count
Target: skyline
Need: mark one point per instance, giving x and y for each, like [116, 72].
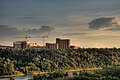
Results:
[64, 18]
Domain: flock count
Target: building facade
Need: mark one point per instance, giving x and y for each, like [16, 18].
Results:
[63, 43]
[35, 46]
[51, 46]
[20, 44]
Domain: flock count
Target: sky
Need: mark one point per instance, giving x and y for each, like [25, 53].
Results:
[87, 23]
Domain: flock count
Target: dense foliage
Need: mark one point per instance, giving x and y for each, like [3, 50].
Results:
[108, 73]
[111, 73]
[28, 60]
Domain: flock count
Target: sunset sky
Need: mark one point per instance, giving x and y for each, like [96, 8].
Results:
[88, 23]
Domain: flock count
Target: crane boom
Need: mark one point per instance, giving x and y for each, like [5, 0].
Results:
[43, 37]
[26, 37]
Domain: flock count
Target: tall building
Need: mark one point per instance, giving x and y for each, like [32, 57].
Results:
[51, 46]
[20, 44]
[63, 43]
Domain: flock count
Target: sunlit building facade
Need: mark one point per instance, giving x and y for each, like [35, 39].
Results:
[63, 43]
[51, 46]
[20, 44]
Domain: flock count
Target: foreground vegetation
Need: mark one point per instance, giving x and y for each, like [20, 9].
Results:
[14, 61]
[108, 73]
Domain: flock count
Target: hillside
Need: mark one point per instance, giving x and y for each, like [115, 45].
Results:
[13, 61]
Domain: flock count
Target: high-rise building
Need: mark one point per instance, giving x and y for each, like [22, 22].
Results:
[20, 44]
[63, 43]
[51, 46]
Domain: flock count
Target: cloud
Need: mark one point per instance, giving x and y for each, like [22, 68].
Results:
[29, 17]
[105, 24]
[8, 31]
[2, 26]
[43, 29]
[74, 34]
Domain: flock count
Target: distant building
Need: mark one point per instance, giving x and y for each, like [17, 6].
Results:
[74, 47]
[35, 46]
[60, 44]
[32, 45]
[20, 44]
[63, 43]
[5, 47]
[51, 46]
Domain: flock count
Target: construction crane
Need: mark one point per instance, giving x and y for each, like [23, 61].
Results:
[43, 37]
[26, 37]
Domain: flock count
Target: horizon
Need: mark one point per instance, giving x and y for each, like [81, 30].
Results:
[94, 24]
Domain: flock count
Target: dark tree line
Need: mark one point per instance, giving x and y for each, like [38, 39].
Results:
[28, 60]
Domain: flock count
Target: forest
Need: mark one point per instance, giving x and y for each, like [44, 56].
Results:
[26, 61]
[108, 73]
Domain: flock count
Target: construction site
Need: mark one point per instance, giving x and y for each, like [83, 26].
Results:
[61, 43]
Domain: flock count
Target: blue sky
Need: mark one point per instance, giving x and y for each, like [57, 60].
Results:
[60, 15]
